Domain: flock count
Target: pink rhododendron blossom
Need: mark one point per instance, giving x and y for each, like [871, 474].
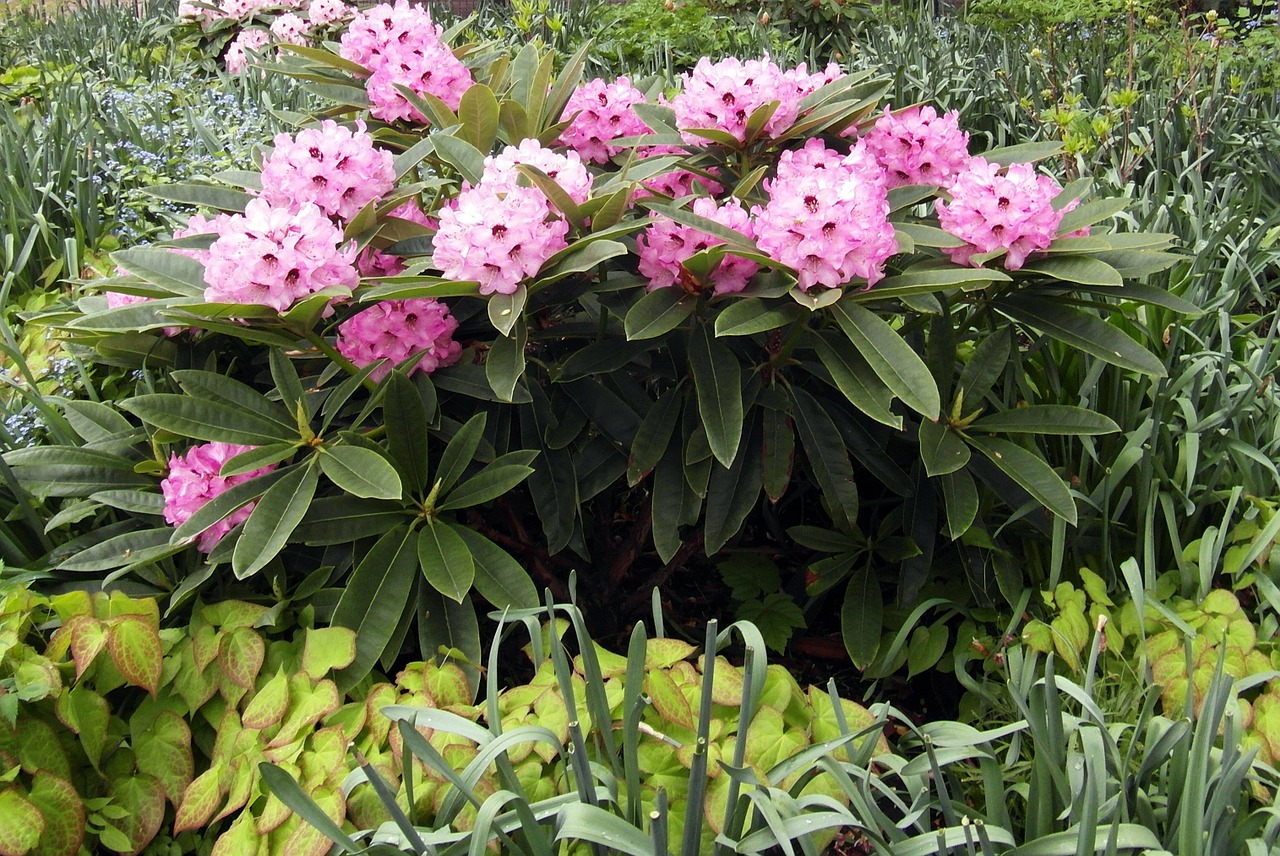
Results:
[990, 210]
[372, 262]
[198, 224]
[240, 9]
[917, 146]
[237, 55]
[411, 211]
[337, 169]
[666, 245]
[500, 173]
[321, 12]
[497, 240]
[277, 256]
[194, 480]
[806, 84]
[723, 95]
[396, 330]
[827, 216]
[401, 46]
[291, 29]
[602, 112]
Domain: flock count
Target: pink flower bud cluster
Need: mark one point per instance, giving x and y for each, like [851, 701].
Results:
[194, 479]
[601, 112]
[397, 330]
[992, 211]
[500, 173]
[723, 95]
[401, 46]
[237, 56]
[827, 216]
[917, 146]
[339, 171]
[666, 245]
[277, 256]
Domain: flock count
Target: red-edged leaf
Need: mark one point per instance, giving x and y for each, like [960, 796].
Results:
[200, 800]
[87, 714]
[327, 649]
[240, 839]
[240, 656]
[164, 751]
[21, 824]
[135, 647]
[63, 812]
[143, 797]
[268, 704]
[88, 638]
[306, 840]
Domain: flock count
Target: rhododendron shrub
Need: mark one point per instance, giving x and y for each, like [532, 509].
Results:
[486, 324]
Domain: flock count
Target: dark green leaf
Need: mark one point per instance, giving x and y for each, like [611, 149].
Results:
[750, 315]
[491, 482]
[165, 268]
[732, 494]
[201, 195]
[445, 560]
[1046, 419]
[553, 485]
[1081, 330]
[273, 520]
[226, 502]
[601, 357]
[778, 453]
[1082, 270]
[406, 421]
[506, 310]
[499, 578]
[1031, 473]
[360, 472]
[892, 359]
[985, 365]
[119, 550]
[654, 434]
[658, 312]
[1023, 153]
[828, 459]
[862, 617]
[461, 155]
[960, 500]
[717, 377]
[941, 451]
[451, 626]
[855, 378]
[201, 419]
[375, 597]
[478, 112]
[225, 390]
[257, 458]
[505, 362]
[460, 451]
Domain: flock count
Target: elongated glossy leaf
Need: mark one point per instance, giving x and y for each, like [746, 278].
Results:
[717, 377]
[556, 195]
[491, 482]
[1023, 153]
[941, 451]
[1091, 212]
[658, 312]
[685, 217]
[1082, 270]
[862, 617]
[344, 519]
[1082, 330]
[732, 494]
[446, 625]
[855, 378]
[289, 792]
[273, 520]
[461, 155]
[890, 357]
[223, 389]
[118, 551]
[1031, 473]
[960, 500]
[201, 195]
[226, 502]
[505, 362]
[445, 560]
[600, 357]
[478, 112]
[828, 460]
[985, 365]
[1046, 419]
[778, 453]
[750, 315]
[499, 578]
[406, 421]
[583, 822]
[165, 268]
[207, 420]
[654, 434]
[361, 472]
[375, 597]
[927, 236]
[460, 451]
[554, 482]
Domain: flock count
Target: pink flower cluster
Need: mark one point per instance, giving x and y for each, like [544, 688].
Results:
[401, 46]
[992, 211]
[827, 216]
[195, 478]
[599, 113]
[917, 146]
[397, 330]
[323, 12]
[723, 95]
[277, 256]
[500, 173]
[338, 170]
[246, 41]
[666, 245]
[497, 239]
[294, 29]
[291, 29]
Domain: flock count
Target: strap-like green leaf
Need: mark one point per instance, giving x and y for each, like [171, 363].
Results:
[494, 480]
[1046, 419]
[505, 362]
[1031, 473]
[1082, 270]
[960, 499]
[828, 459]
[862, 617]
[445, 560]
[460, 451]
[1082, 330]
[499, 578]
[583, 822]
[855, 378]
[202, 419]
[376, 595]
[717, 377]
[361, 472]
[201, 195]
[732, 494]
[273, 520]
[892, 359]
[406, 420]
[749, 316]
